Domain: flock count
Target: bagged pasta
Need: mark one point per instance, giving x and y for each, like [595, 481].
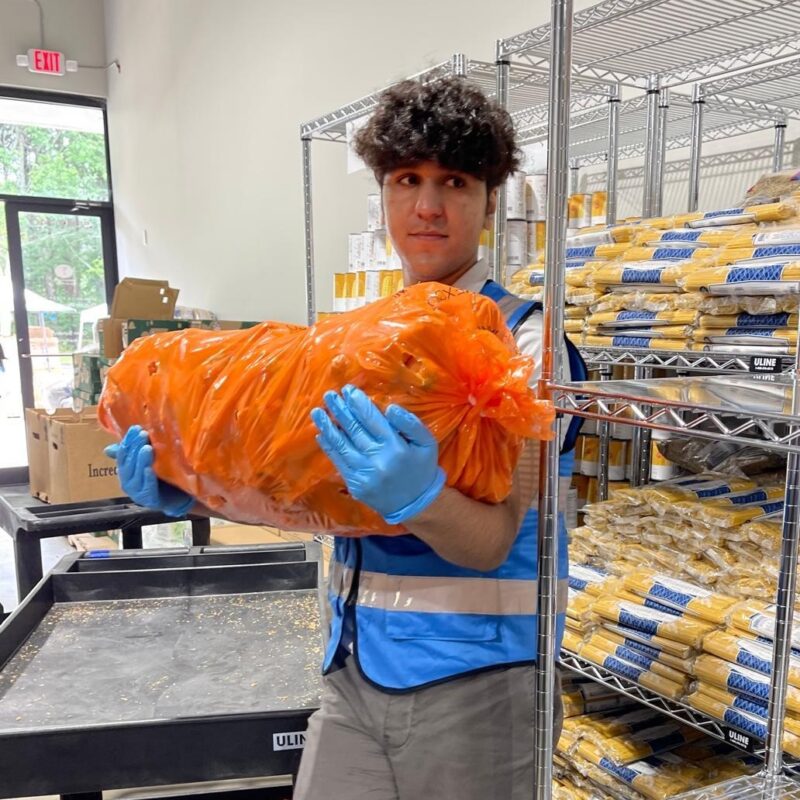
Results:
[749, 653]
[580, 605]
[662, 497]
[685, 630]
[228, 412]
[637, 342]
[636, 657]
[767, 534]
[740, 680]
[632, 274]
[598, 252]
[598, 727]
[671, 332]
[634, 672]
[657, 777]
[582, 295]
[768, 212]
[658, 738]
[591, 580]
[770, 279]
[671, 592]
[747, 321]
[638, 319]
[663, 253]
[672, 654]
[685, 237]
[758, 618]
[756, 337]
[591, 698]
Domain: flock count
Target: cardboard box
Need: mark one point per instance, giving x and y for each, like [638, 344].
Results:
[135, 298]
[66, 458]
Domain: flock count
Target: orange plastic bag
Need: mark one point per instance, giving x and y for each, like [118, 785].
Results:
[228, 412]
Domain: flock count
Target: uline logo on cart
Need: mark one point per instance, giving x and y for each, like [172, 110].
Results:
[101, 472]
[288, 741]
[739, 739]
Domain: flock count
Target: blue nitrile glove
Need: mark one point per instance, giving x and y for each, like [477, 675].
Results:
[390, 462]
[134, 455]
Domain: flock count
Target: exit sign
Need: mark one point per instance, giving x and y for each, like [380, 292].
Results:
[47, 62]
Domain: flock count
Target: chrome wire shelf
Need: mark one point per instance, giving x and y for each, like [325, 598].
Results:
[777, 85]
[754, 787]
[681, 41]
[735, 409]
[678, 711]
[732, 364]
[724, 117]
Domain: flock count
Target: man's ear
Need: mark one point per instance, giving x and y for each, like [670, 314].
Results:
[491, 206]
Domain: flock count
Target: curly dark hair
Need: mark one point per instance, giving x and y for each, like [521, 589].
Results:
[449, 121]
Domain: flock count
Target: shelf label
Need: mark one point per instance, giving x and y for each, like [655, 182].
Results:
[293, 740]
[765, 364]
[741, 740]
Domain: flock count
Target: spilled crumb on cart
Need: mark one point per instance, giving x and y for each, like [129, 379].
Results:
[127, 660]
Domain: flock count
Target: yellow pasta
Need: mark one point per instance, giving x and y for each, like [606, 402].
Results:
[628, 749]
[724, 321]
[764, 279]
[681, 595]
[633, 341]
[686, 630]
[637, 657]
[678, 236]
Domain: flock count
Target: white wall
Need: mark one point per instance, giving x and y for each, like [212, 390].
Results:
[204, 130]
[74, 27]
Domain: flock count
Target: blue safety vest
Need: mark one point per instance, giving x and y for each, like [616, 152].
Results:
[418, 619]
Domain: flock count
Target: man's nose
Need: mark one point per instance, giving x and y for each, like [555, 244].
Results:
[429, 201]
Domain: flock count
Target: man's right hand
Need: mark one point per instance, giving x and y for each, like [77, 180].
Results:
[134, 456]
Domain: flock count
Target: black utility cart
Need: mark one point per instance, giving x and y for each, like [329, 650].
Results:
[161, 667]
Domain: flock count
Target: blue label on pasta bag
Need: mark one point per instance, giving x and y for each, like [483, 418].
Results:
[726, 212]
[746, 659]
[672, 253]
[661, 592]
[764, 333]
[771, 508]
[750, 707]
[772, 272]
[752, 727]
[581, 252]
[621, 668]
[623, 773]
[640, 659]
[638, 623]
[651, 652]
[642, 275]
[715, 492]
[642, 316]
[762, 320]
[741, 683]
[759, 496]
[648, 603]
[777, 250]
[681, 236]
[630, 341]
[577, 583]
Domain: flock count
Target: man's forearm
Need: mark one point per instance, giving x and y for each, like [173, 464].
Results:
[465, 531]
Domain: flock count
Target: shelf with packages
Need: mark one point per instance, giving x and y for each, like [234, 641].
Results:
[640, 695]
[705, 406]
[726, 363]
[749, 788]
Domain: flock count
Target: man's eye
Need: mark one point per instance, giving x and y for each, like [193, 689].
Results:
[408, 180]
[456, 183]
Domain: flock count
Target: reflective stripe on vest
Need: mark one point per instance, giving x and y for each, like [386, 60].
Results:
[437, 595]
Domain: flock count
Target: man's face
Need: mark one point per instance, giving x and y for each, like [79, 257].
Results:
[435, 217]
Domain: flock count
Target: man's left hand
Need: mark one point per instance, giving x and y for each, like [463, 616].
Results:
[388, 461]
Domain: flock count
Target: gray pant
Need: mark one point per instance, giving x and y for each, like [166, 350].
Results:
[467, 739]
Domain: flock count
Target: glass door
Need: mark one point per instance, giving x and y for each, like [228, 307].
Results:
[62, 273]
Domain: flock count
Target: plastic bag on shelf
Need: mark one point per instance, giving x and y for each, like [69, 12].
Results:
[748, 653]
[228, 412]
[637, 342]
[649, 648]
[636, 657]
[594, 581]
[762, 279]
[685, 237]
[747, 321]
[622, 750]
[767, 212]
[729, 458]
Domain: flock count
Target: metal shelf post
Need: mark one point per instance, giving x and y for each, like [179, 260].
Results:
[613, 155]
[661, 152]
[698, 103]
[553, 329]
[603, 435]
[311, 304]
[503, 70]
[780, 141]
[651, 145]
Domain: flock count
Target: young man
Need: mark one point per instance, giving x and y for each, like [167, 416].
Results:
[429, 674]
